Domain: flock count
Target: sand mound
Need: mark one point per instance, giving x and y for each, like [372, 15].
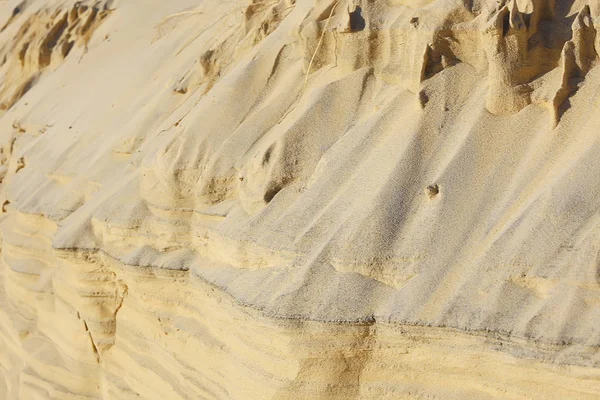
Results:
[299, 199]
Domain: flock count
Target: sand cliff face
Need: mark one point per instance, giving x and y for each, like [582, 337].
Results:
[299, 199]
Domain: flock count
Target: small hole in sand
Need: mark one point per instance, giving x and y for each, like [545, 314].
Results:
[357, 22]
[414, 21]
[271, 193]
[433, 190]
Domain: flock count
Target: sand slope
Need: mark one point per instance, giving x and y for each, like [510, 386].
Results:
[310, 199]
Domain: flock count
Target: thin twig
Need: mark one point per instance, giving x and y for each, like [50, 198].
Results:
[319, 44]
[182, 13]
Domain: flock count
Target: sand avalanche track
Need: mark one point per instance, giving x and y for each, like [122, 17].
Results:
[307, 199]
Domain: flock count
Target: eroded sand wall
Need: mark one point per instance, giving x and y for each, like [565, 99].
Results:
[115, 331]
[299, 199]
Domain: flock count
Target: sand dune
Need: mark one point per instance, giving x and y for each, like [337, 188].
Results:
[299, 199]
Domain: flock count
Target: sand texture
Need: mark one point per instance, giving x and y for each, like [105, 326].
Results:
[310, 199]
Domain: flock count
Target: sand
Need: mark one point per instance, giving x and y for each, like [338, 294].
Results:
[299, 199]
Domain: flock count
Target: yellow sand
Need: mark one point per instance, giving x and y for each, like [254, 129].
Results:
[378, 199]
